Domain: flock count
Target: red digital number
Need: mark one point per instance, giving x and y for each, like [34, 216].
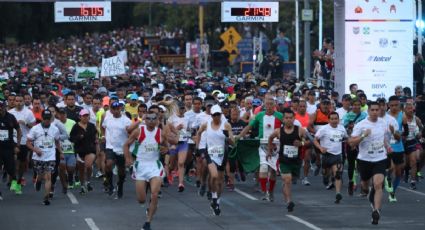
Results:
[100, 11]
[267, 11]
[247, 11]
[261, 11]
[84, 11]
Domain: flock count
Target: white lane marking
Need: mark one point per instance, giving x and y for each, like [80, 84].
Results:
[410, 190]
[72, 198]
[245, 194]
[91, 224]
[299, 220]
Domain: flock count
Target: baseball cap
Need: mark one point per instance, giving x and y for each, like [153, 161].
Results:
[256, 102]
[102, 90]
[134, 97]
[115, 104]
[84, 112]
[105, 101]
[61, 110]
[216, 109]
[46, 114]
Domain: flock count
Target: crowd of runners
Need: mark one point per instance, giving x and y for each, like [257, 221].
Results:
[169, 125]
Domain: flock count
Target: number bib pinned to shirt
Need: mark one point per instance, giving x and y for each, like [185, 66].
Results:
[376, 147]
[67, 146]
[4, 135]
[290, 151]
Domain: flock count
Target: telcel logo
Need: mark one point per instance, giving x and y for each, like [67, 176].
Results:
[379, 86]
[379, 58]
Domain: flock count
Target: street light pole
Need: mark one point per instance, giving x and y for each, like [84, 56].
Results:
[307, 39]
[320, 24]
[420, 29]
[297, 41]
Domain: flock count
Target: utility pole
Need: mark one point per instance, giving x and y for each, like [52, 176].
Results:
[307, 51]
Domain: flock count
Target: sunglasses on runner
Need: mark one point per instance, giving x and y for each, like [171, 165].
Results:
[150, 118]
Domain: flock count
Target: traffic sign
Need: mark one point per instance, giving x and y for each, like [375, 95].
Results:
[231, 39]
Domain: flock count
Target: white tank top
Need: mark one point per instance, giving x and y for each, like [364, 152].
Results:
[215, 142]
[413, 129]
[148, 149]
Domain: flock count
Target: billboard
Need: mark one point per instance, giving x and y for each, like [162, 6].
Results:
[378, 46]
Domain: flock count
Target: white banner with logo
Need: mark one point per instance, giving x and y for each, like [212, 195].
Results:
[112, 66]
[378, 46]
[85, 73]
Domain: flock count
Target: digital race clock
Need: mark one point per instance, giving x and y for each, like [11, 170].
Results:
[250, 11]
[82, 11]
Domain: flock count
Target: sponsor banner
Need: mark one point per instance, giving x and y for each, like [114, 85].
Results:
[84, 73]
[379, 10]
[112, 66]
[378, 56]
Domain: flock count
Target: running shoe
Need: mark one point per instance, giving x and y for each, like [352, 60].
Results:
[388, 184]
[99, 174]
[89, 187]
[70, 185]
[375, 217]
[330, 186]
[392, 198]
[215, 208]
[18, 189]
[202, 190]
[198, 183]
[77, 184]
[13, 185]
[1, 197]
[83, 190]
[52, 192]
[209, 195]
[413, 185]
[290, 206]
[46, 202]
[338, 198]
[147, 226]
[305, 181]
[266, 196]
[181, 188]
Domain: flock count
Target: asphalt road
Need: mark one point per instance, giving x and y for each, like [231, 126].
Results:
[241, 209]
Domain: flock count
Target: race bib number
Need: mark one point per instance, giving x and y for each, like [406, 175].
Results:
[4, 135]
[290, 151]
[376, 147]
[336, 137]
[46, 144]
[66, 146]
[183, 135]
[216, 151]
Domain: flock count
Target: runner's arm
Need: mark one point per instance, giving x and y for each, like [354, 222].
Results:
[229, 129]
[198, 135]
[126, 147]
[275, 134]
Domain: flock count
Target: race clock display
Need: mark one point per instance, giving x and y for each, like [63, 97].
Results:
[82, 11]
[250, 11]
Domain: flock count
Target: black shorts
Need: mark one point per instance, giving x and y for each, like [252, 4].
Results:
[23, 153]
[368, 169]
[410, 146]
[329, 159]
[221, 167]
[200, 153]
[396, 158]
[118, 158]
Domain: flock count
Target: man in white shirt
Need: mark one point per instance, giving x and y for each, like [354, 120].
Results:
[331, 137]
[26, 121]
[115, 131]
[43, 141]
[346, 104]
[311, 103]
[371, 135]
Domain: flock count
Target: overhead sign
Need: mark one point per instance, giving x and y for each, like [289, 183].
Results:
[83, 11]
[231, 39]
[112, 66]
[249, 11]
[378, 46]
[85, 73]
